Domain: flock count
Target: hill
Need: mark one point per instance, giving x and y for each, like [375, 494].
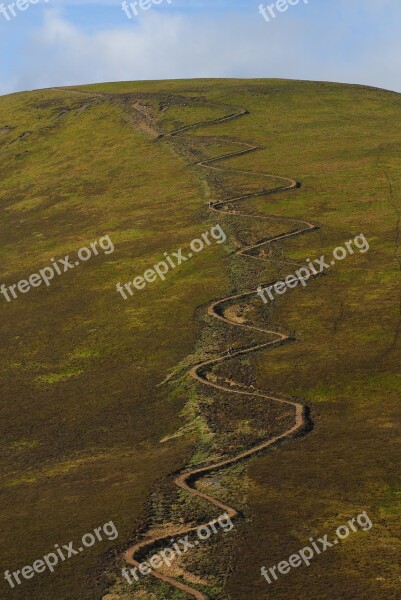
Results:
[98, 408]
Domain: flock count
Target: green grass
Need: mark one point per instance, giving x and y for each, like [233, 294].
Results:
[82, 412]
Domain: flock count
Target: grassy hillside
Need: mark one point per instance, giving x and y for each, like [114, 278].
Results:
[83, 412]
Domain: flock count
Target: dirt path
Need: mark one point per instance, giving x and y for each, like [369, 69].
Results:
[187, 480]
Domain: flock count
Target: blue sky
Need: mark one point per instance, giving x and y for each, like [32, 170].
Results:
[65, 42]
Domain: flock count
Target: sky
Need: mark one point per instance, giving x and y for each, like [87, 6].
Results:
[71, 42]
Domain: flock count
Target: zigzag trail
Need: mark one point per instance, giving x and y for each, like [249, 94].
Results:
[187, 480]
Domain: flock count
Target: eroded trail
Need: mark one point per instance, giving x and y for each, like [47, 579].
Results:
[216, 309]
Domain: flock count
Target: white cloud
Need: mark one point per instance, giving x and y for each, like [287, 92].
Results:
[170, 45]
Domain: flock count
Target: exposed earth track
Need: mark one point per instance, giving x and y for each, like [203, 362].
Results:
[187, 480]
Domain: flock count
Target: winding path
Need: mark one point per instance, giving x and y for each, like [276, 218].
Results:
[187, 480]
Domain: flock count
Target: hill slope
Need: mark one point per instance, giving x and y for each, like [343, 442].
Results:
[83, 414]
